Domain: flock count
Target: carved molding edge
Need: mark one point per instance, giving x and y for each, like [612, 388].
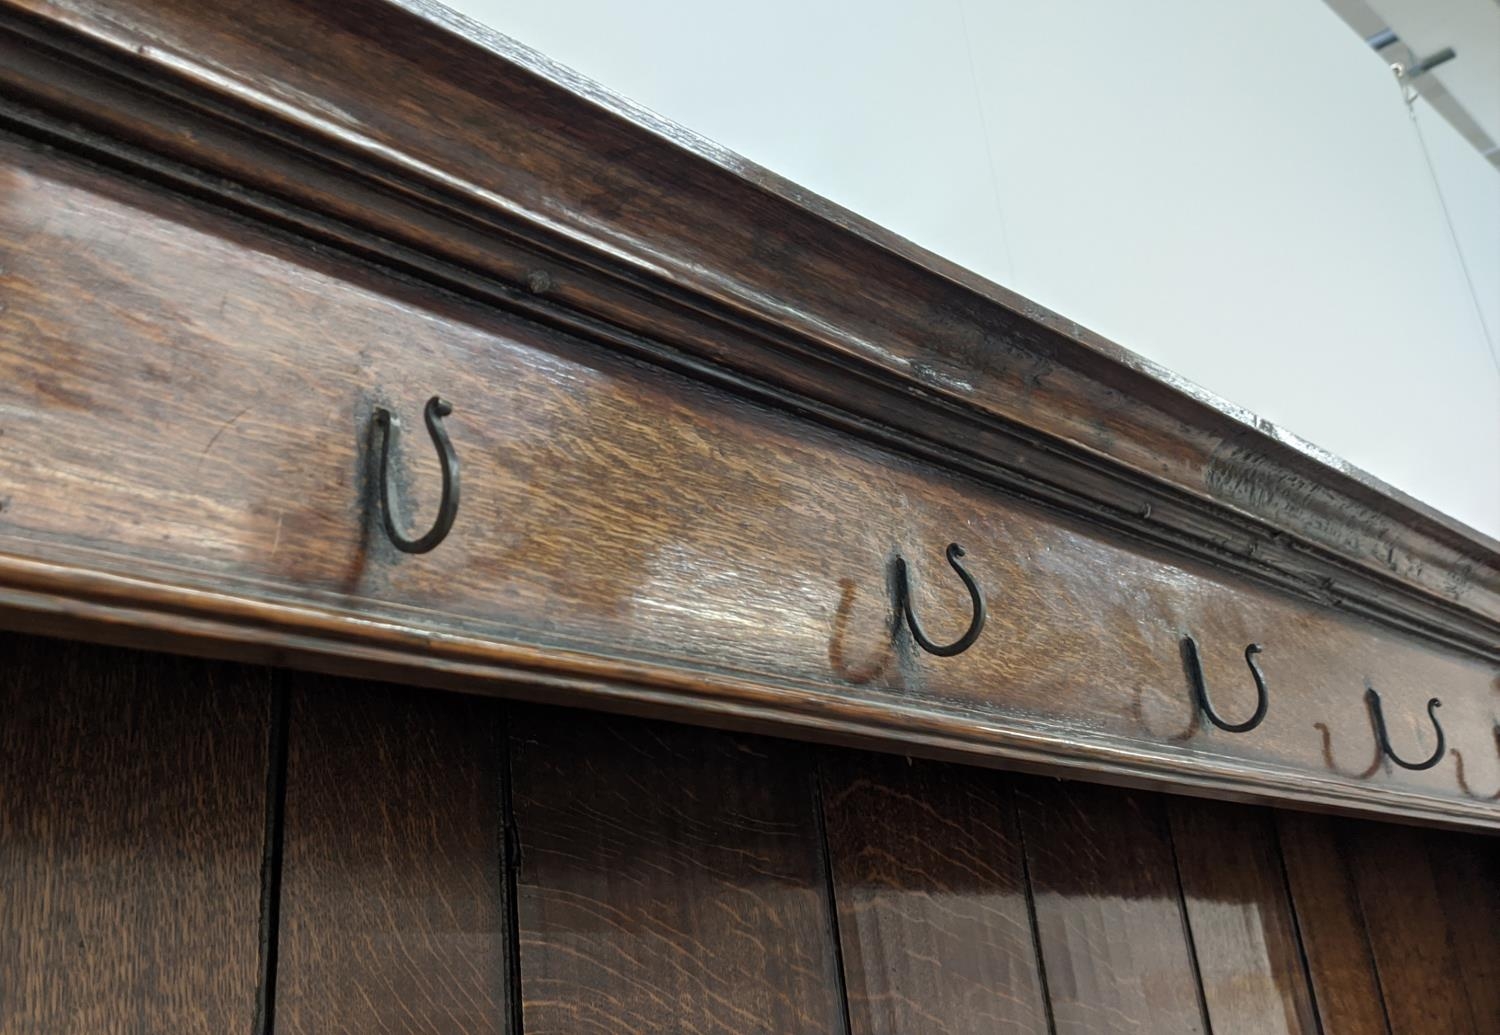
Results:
[955, 370]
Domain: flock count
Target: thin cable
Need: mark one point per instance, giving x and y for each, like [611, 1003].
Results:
[989, 144]
[1409, 95]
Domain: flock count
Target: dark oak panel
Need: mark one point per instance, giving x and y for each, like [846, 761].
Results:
[132, 823]
[392, 907]
[639, 538]
[671, 880]
[1244, 937]
[929, 881]
[1113, 938]
[1416, 956]
[1467, 870]
[1331, 926]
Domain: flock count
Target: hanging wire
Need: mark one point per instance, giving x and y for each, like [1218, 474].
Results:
[1409, 95]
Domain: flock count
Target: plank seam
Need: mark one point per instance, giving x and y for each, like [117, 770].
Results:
[830, 894]
[1187, 920]
[270, 874]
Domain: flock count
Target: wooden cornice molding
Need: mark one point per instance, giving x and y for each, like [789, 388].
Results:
[60, 599]
[408, 135]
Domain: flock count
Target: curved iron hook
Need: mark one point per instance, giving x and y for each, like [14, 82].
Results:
[1200, 690]
[1383, 736]
[976, 625]
[390, 428]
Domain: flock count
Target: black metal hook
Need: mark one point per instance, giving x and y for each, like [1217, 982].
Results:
[390, 427]
[1200, 689]
[1383, 736]
[976, 625]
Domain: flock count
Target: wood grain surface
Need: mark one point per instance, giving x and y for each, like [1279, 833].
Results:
[671, 881]
[694, 552]
[661, 878]
[1244, 935]
[933, 908]
[701, 415]
[1468, 883]
[132, 822]
[393, 914]
[1422, 977]
[1331, 926]
[1114, 941]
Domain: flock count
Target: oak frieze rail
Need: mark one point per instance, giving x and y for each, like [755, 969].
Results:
[706, 417]
[448, 508]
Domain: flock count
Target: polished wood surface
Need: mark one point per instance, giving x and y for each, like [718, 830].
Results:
[1411, 938]
[627, 536]
[1110, 925]
[132, 826]
[670, 880]
[1468, 884]
[167, 822]
[406, 133]
[392, 908]
[932, 898]
[1330, 923]
[1243, 930]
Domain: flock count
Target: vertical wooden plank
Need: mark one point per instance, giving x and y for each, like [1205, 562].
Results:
[1346, 988]
[132, 822]
[671, 880]
[1244, 937]
[392, 908]
[1419, 969]
[1467, 867]
[931, 895]
[1113, 938]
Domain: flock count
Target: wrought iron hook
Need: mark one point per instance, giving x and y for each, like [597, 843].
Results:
[1383, 736]
[1200, 690]
[390, 429]
[976, 625]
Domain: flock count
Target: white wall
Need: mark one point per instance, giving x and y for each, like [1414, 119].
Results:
[1233, 190]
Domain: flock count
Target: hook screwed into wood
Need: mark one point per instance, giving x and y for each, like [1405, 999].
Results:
[1200, 689]
[976, 624]
[390, 430]
[1383, 736]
